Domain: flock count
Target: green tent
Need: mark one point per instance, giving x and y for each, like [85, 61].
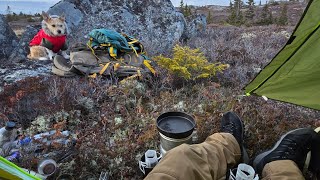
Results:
[10, 171]
[294, 74]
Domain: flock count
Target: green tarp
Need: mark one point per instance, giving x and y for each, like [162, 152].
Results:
[294, 74]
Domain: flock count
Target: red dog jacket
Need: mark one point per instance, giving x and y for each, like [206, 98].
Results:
[57, 42]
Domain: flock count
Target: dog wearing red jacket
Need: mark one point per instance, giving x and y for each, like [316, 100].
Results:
[50, 40]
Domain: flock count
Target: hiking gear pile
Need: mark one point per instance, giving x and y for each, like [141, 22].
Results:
[106, 53]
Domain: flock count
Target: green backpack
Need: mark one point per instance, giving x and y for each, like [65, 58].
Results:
[116, 44]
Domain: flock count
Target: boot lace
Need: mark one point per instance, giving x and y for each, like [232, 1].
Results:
[295, 150]
[229, 128]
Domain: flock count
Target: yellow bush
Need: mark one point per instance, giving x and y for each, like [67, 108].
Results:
[189, 64]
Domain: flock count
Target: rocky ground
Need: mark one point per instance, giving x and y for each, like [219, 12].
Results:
[115, 123]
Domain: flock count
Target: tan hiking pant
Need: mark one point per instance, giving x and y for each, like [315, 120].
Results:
[211, 159]
[284, 170]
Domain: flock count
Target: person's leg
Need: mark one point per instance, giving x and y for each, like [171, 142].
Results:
[205, 161]
[287, 157]
[281, 170]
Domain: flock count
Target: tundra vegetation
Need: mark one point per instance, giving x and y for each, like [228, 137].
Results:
[115, 122]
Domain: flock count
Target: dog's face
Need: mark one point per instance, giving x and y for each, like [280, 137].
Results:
[54, 25]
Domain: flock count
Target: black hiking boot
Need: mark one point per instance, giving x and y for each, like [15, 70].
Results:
[294, 146]
[315, 155]
[231, 123]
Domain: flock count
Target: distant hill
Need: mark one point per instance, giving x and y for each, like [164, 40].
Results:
[26, 7]
[220, 13]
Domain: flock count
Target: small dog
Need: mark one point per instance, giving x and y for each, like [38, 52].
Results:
[50, 40]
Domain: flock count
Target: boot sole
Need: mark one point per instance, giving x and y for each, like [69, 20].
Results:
[308, 159]
[245, 156]
[258, 159]
[62, 73]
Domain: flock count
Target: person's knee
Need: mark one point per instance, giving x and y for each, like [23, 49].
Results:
[183, 149]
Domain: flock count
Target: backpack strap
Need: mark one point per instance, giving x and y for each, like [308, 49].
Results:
[113, 52]
[148, 65]
[89, 45]
[104, 68]
[138, 75]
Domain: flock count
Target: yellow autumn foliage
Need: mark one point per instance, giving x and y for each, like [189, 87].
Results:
[189, 64]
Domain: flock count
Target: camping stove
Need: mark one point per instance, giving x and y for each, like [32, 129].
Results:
[162, 151]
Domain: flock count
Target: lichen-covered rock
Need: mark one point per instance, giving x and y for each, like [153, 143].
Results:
[20, 52]
[20, 74]
[195, 26]
[8, 39]
[155, 22]
[73, 15]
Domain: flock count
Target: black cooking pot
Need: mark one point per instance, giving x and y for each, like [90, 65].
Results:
[177, 125]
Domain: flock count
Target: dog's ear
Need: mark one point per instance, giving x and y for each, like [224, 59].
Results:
[45, 16]
[62, 17]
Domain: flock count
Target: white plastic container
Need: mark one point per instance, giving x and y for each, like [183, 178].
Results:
[244, 172]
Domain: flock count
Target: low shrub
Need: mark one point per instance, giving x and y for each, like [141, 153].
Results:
[189, 64]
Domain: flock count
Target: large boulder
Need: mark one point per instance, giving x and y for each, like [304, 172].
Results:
[8, 39]
[13, 73]
[73, 15]
[155, 22]
[19, 54]
[195, 26]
